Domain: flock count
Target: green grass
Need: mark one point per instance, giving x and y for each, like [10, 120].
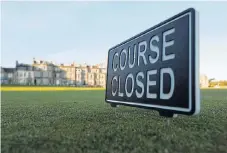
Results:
[80, 121]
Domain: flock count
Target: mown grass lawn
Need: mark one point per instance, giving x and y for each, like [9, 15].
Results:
[80, 121]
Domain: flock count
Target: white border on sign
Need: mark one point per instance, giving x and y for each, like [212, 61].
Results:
[197, 65]
[190, 77]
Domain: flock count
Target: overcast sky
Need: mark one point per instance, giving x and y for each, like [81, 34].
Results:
[82, 32]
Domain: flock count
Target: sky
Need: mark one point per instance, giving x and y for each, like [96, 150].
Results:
[82, 32]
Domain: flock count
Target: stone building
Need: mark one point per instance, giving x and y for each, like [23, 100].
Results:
[67, 74]
[47, 73]
[59, 76]
[204, 82]
[81, 74]
[7, 75]
[43, 72]
[24, 74]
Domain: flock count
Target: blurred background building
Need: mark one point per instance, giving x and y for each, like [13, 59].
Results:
[204, 81]
[47, 73]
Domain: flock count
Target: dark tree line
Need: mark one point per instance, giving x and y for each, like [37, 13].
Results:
[219, 83]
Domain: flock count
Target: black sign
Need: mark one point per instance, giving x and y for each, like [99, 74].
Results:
[158, 68]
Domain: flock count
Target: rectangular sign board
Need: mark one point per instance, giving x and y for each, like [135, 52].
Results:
[158, 68]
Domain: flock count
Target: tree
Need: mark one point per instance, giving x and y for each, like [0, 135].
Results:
[210, 80]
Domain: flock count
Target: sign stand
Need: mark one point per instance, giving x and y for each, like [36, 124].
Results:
[168, 122]
[166, 113]
[113, 105]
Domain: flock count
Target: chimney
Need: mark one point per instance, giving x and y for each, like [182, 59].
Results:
[34, 61]
[16, 62]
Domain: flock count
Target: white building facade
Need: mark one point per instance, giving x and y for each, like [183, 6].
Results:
[46, 73]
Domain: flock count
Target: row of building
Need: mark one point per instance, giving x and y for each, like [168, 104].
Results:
[47, 73]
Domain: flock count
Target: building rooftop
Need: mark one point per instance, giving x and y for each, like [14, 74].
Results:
[8, 70]
[24, 66]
